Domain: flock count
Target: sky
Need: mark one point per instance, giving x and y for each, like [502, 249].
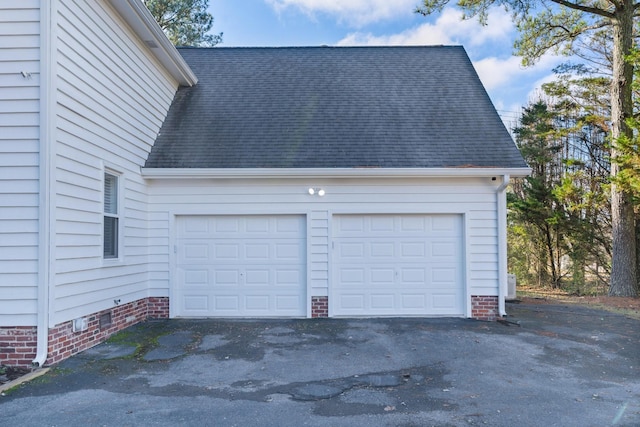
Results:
[389, 23]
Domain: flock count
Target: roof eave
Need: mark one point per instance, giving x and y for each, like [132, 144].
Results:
[138, 17]
[280, 173]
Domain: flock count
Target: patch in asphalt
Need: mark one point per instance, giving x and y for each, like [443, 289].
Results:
[170, 346]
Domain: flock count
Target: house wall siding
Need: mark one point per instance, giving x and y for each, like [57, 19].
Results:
[475, 198]
[19, 147]
[112, 97]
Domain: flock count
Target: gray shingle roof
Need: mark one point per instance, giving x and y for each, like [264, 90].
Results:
[333, 107]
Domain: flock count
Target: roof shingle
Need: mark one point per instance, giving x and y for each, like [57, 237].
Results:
[333, 107]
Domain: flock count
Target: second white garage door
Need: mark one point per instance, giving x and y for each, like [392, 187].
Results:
[240, 266]
[397, 265]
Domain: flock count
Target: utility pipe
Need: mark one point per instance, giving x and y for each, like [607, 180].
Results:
[502, 243]
[46, 153]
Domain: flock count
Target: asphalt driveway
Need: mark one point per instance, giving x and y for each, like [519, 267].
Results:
[561, 366]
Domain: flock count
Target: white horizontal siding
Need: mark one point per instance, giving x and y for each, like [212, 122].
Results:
[475, 198]
[318, 252]
[19, 147]
[112, 97]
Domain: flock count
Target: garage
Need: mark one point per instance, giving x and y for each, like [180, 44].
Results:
[240, 266]
[397, 265]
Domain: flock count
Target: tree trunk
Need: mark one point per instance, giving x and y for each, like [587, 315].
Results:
[623, 268]
[638, 251]
[551, 256]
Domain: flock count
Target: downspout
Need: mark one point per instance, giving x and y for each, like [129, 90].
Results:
[45, 183]
[502, 243]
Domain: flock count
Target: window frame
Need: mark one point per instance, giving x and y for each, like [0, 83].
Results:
[116, 215]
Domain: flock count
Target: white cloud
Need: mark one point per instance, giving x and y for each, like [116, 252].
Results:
[422, 35]
[499, 27]
[495, 72]
[356, 13]
[449, 28]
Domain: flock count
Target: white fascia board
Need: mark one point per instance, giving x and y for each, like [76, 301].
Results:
[239, 173]
[138, 17]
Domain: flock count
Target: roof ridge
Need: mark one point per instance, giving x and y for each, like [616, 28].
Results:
[322, 47]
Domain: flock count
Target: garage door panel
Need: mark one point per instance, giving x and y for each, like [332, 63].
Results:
[379, 224]
[444, 249]
[288, 251]
[197, 302]
[196, 277]
[382, 302]
[226, 304]
[443, 275]
[351, 276]
[258, 277]
[351, 304]
[224, 252]
[381, 276]
[414, 224]
[289, 226]
[397, 265]
[224, 224]
[257, 302]
[286, 302]
[194, 226]
[247, 266]
[445, 223]
[413, 275]
[226, 277]
[260, 225]
[257, 252]
[444, 301]
[289, 277]
[413, 250]
[414, 301]
[382, 249]
[196, 252]
[351, 250]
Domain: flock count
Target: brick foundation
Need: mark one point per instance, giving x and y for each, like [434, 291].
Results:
[158, 308]
[319, 306]
[484, 307]
[18, 345]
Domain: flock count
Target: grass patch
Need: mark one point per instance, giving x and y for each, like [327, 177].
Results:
[143, 337]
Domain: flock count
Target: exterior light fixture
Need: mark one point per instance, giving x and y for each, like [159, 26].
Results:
[316, 191]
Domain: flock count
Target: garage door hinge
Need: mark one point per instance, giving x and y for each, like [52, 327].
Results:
[175, 249]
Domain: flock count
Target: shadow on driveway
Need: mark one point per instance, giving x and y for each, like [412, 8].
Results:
[551, 365]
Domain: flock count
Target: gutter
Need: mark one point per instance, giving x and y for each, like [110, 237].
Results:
[281, 173]
[502, 243]
[45, 179]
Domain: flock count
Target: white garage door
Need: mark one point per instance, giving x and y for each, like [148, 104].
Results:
[397, 265]
[240, 266]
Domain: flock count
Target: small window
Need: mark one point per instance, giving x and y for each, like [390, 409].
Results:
[111, 216]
